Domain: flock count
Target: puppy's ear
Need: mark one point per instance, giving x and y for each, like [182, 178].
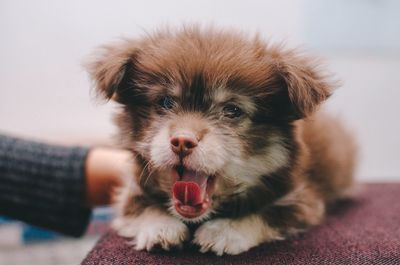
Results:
[304, 85]
[112, 69]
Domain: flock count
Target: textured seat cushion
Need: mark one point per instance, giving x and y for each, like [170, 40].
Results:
[364, 230]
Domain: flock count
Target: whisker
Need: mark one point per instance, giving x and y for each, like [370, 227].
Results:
[143, 171]
[152, 170]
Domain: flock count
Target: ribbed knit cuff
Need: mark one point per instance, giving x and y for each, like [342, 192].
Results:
[44, 185]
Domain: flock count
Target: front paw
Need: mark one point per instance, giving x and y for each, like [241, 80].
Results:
[227, 236]
[152, 229]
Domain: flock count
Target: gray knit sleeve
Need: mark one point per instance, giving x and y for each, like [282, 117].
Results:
[43, 185]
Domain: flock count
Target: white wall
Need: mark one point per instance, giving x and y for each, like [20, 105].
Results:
[44, 90]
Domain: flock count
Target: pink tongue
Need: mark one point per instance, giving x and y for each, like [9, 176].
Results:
[191, 189]
[188, 193]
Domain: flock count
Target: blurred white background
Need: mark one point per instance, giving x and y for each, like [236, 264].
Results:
[45, 92]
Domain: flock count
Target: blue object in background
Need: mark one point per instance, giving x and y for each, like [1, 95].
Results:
[31, 234]
[4, 220]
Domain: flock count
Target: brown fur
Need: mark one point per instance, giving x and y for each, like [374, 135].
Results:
[305, 157]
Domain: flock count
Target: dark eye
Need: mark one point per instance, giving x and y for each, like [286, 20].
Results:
[166, 102]
[232, 111]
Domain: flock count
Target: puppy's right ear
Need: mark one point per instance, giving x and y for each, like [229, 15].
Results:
[112, 69]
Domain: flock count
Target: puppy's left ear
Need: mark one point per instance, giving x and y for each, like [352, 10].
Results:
[304, 85]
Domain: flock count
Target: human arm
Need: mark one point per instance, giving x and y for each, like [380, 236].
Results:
[54, 186]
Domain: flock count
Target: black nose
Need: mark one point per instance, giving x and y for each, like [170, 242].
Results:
[183, 145]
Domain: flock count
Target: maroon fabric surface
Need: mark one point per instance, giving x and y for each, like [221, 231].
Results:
[364, 230]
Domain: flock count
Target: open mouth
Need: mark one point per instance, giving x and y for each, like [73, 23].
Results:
[191, 191]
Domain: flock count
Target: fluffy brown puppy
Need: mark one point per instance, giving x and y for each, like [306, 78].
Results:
[226, 138]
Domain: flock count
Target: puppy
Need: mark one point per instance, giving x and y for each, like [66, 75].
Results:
[226, 136]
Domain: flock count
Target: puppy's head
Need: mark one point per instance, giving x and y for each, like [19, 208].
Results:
[208, 112]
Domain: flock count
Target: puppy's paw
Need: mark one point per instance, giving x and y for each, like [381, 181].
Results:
[219, 237]
[152, 229]
[228, 236]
